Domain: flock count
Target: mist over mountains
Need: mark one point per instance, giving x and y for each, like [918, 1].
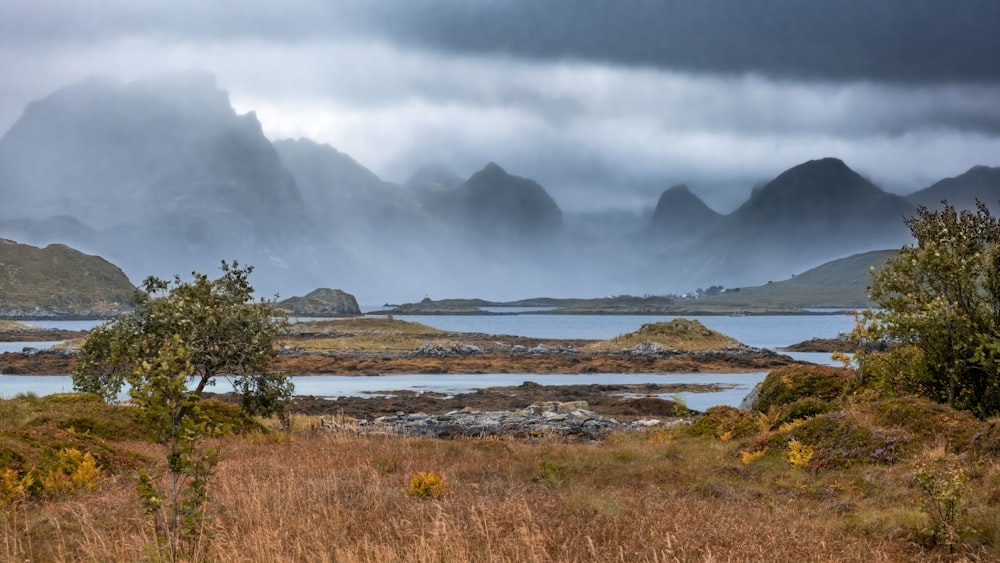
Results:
[162, 176]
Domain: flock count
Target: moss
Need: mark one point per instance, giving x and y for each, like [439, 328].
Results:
[786, 385]
[228, 414]
[927, 421]
[723, 421]
[843, 439]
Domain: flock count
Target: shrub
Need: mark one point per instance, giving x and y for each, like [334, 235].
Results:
[722, 421]
[925, 421]
[787, 385]
[842, 440]
[427, 484]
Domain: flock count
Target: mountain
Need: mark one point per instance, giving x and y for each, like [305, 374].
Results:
[814, 212]
[432, 178]
[495, 204]
[59, 281]
[819, 201]
[982, 182]
[163, 169]
[680, 213]
[340, 193]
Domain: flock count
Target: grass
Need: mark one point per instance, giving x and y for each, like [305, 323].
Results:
[678, 334]
[650, 496]
[360, 333]
[7, 326]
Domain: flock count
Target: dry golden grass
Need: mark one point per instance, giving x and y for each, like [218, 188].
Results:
[361, 333]
[340, 497]
[678, 334]
[6, 326]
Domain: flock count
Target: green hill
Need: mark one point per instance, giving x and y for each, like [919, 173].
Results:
[57, 281]
[841, 283]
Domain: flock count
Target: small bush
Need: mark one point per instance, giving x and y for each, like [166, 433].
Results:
[841, 440]
[722, 421]
[428, 485]
[788, 385]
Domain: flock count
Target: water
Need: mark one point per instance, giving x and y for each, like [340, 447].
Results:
[766, 331]
[19, 346]
[737, 385]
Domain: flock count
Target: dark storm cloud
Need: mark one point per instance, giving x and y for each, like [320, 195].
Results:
[894, 40]
[898, 40]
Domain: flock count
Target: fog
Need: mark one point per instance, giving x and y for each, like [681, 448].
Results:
[604, 106]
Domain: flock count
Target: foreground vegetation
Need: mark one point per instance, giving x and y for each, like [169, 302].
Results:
[815, 472]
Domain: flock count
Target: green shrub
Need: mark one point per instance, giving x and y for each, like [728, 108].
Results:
[723, 421]
[789, 384]
[926, 421]
[842, 440]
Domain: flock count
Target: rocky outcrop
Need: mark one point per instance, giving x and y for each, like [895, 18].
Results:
[570, 420]
[322, 302]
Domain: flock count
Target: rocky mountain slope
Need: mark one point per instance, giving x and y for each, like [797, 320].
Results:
[59, 281]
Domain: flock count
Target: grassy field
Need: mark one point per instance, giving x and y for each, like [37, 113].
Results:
[13, 325]
[678, 334]
[693, 494]
[360, 333]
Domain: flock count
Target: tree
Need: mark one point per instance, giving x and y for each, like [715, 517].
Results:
[938, 309]
[222, 330]
[183, 334]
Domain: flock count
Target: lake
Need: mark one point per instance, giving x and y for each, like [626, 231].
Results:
[766, 331]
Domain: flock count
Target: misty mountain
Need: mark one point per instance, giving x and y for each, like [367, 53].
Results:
[816, 211]
[163, 170]
[432, 178]
[982, 182]
[337, 190]
[679, 213]
[162, 176]
[493, 204]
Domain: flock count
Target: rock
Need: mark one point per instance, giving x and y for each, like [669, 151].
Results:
[323, 302]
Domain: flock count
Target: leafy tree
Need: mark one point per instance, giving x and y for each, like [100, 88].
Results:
[183, 334]
[938, 309]
[223, 331]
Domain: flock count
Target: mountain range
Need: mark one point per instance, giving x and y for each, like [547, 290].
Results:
[162, 176]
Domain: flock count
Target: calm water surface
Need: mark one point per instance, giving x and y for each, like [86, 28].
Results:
[766, 331]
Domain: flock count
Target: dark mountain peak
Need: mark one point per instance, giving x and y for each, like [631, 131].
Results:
[679, 212]
[825, 186]
[493, 202]
[493, 169]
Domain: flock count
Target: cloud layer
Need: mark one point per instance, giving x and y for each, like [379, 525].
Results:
[603, 105]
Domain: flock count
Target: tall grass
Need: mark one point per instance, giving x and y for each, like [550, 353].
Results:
[340, 497]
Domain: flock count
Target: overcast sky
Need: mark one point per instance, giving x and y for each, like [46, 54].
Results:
[604, 103]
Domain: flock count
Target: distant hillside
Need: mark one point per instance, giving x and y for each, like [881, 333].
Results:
[59, 281]
[982, 182]
[839, 284]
